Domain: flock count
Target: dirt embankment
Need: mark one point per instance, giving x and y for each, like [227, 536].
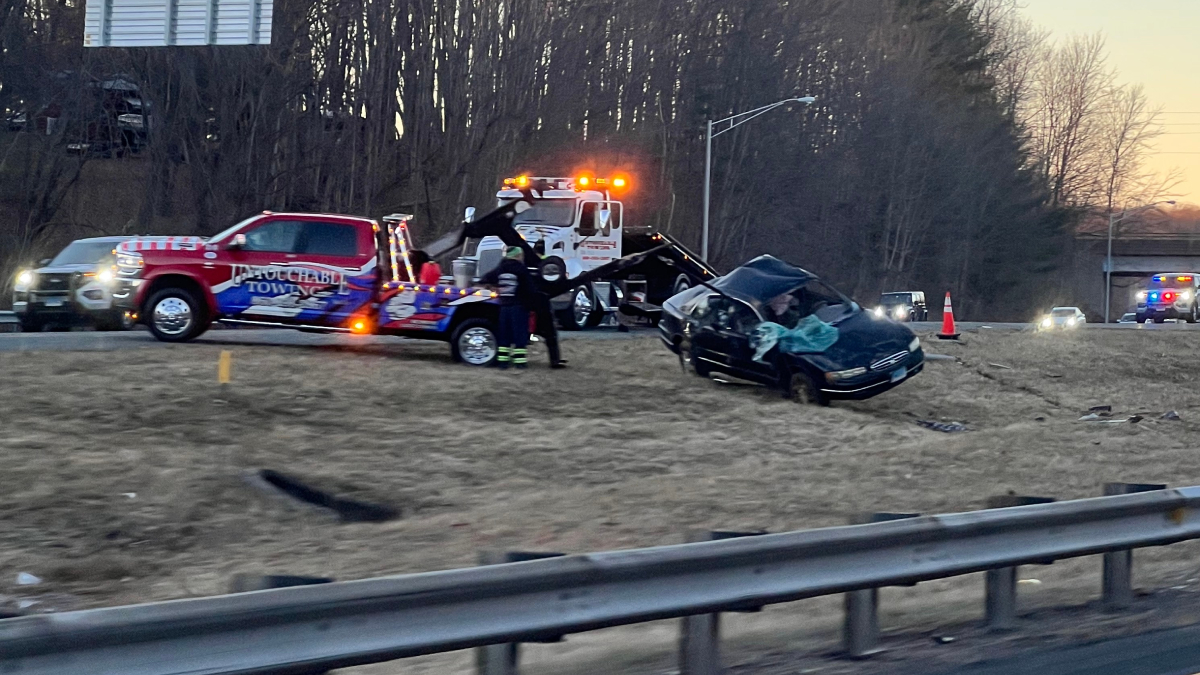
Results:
[124, 473]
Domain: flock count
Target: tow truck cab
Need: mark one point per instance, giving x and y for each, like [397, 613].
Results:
[1170, 296]
[577, 225]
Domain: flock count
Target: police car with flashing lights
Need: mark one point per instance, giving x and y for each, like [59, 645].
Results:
[75, 287]
[1170, 296]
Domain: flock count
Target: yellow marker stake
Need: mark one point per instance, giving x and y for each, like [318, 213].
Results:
[224, 365]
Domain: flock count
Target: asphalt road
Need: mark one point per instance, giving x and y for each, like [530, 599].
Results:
[86, 340]
[1169, 652]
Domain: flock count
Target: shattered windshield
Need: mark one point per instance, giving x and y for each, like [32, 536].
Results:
[823, 301]
[557, 212]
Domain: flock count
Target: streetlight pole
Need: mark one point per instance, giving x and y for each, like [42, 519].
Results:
[1112, 221]
[733, 121]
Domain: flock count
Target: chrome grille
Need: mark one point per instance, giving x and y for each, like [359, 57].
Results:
[889, 361]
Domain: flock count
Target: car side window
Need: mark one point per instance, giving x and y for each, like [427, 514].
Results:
[725, 314]
[333, 239]
[588, 219]
[277, 236]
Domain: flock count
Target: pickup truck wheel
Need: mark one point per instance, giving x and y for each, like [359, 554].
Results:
[175, 315]
[474, 343]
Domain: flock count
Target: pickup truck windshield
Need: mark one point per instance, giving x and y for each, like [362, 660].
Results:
[556, 212]
[83, 253]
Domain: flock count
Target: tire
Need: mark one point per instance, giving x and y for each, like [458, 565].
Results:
[474, 343]
[1159, 319]
[803, 389]
[682, 283]
[552, 269]
[691, 365]
[31, 324]
[1192, 316]
[1141, 319]
[581, 313]
[176, 315]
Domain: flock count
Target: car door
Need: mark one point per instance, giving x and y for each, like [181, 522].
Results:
[723, 340]
[251, 264]
[340, 255]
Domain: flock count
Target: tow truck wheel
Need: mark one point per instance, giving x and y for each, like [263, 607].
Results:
[582, 311]
[175, 315]
[682, 283]
[474, 343]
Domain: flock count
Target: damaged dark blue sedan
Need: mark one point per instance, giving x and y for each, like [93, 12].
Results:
[778, 325]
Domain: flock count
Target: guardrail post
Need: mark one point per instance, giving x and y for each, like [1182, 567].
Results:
[1000, 585]
[860, 630]
[700, 635]
[1117, 576]
[505, 659]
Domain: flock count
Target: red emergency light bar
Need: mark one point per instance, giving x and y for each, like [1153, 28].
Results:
[584, 181]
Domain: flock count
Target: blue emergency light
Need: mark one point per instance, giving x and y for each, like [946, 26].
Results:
[1154, 297]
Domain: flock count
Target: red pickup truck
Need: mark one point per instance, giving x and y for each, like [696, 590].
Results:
[318, 272]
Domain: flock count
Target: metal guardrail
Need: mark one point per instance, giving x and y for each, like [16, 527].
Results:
[308, 629]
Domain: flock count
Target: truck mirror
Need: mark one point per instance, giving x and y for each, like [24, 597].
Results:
[238, 241]
[605, 217]
[469, 216]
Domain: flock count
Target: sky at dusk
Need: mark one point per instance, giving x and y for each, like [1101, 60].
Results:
[1156, 43]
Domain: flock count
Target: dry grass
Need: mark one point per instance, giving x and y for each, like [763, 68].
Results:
[620, 451]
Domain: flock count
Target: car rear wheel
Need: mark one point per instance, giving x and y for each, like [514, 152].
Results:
[474, 343]
[176, 315]
[803, 389]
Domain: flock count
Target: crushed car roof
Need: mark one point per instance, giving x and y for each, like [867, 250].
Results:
[762, 279]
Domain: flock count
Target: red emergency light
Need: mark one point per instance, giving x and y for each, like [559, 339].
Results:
[1169, 296]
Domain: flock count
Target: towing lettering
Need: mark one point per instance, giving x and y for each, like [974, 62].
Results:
[300, 276]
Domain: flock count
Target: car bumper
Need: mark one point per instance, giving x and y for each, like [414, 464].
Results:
[125, 293]
[1164, 312]
[863, 390]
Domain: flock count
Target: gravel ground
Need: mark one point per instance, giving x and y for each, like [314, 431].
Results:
[124, 472]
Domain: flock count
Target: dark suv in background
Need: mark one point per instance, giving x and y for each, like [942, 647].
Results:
[903, 306]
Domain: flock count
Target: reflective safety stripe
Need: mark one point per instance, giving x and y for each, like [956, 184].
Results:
[503, 356]
[519, 355]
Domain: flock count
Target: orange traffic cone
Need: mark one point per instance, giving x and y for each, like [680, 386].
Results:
[949, 332]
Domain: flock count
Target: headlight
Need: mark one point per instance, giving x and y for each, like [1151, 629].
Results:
[914, 345]
[1071, 321]
[1185, 296]
[879, 312]
[845, 374]
[1141, 295]
[900, 312]
[24, 280]
[1046, 322]
[105, 276]
[129, 264]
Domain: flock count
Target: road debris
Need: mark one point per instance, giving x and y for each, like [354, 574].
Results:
[1171, 415]
[27, 579]
[1100, 408]
[944, 427]
[1001, 366]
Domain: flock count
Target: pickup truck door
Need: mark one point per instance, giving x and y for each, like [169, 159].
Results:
[303, 271]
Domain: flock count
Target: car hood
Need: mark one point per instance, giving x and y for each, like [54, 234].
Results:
[862, 340]
[67, 269]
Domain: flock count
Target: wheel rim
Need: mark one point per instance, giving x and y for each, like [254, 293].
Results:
[583, 306]
[681, 286]
[477, 346]
[173, 316]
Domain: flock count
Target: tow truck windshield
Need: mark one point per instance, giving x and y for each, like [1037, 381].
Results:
[556, 212]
